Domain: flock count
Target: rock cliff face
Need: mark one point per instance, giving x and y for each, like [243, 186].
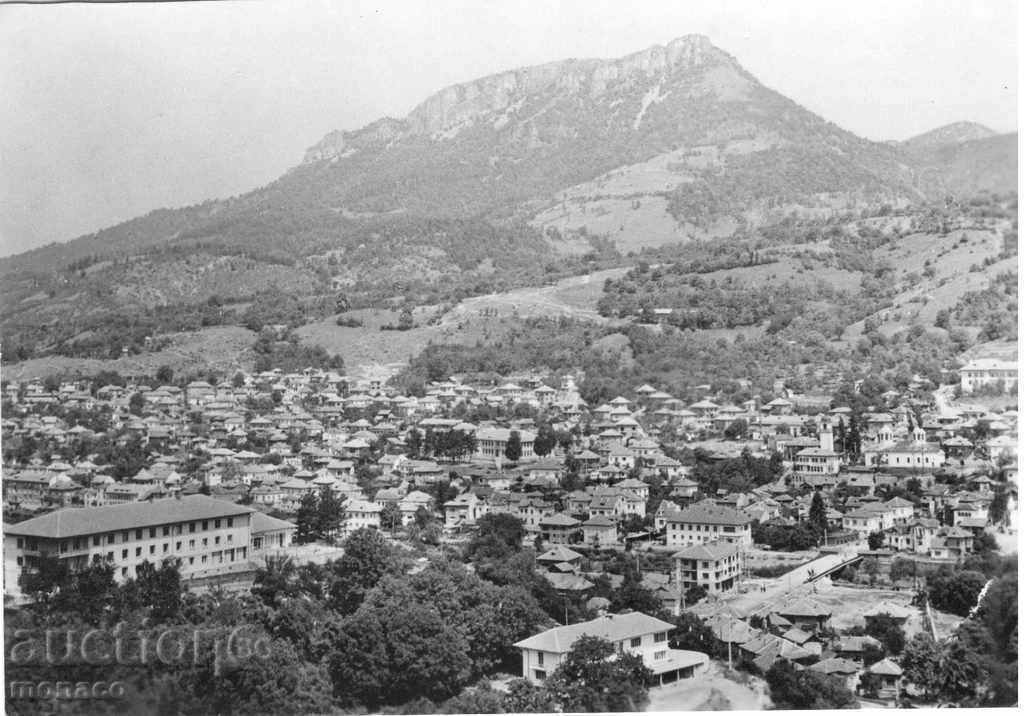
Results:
[456, 107]
[372, 136]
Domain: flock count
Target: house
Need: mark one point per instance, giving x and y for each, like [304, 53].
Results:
[465, 509]
[714, 566]
[411, 503]
[362, 513]
[888, 677]
[560, 528]
[128, 492]
[560, 555]
[599, 532]
[844, 669]
[914, 536]
[545, 473]
[867, 519]
[639, 488]
[707, 522]
[633, 632]
[210, 536]
[853, 648]
[806, 614]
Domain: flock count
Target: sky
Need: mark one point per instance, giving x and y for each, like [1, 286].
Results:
[111, 111]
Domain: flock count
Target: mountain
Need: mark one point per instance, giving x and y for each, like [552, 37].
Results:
[508, 180]
[955, 133]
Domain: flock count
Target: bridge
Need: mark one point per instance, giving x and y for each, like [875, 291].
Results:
[779, 588]
[828, 565]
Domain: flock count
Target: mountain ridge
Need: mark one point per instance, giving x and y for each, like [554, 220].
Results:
[508, 180]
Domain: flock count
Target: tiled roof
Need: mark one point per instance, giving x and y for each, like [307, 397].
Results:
[710, 551]
[77, 521]
[614, 628]
[709, 513]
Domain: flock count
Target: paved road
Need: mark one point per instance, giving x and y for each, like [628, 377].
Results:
[781, 586]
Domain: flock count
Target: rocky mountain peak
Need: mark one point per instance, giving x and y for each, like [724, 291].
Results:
[446, 112]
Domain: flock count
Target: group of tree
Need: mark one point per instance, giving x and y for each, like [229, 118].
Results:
[319, 516]
[787, 537]
[453, 445]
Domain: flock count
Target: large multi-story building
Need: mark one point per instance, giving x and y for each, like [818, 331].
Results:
[491, 443]
[633, 632]
[988, 371]
[211, 537]
[714, 566]
[707, 522]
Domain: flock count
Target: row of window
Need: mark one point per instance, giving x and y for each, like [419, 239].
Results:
[166, 531]
[701, 528]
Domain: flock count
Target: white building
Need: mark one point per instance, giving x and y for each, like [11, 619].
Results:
[211, 537]
[634, 633]
[988, 371]
[707, 522]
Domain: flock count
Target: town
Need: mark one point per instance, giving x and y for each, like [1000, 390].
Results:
[778, 538]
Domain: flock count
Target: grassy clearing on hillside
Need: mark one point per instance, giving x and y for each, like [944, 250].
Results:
[221, 348]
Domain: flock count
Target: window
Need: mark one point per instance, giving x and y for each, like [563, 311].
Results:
[138, 551]
[124, 554]
[191, 544]
[230, 521]
[138, 534]
[64, 546]
[96, 541]
[539, 674]
[110, 538]
[124, 536]
[152, 549]
[216, 524]
[540, 658]
[660, 637]
[660, 655]
[205, 541]
[191, 526]
[216, 540]
[177, 546]
[166, 530]
[166, 547]
[230, 537]
[635, 641]
[21, 543]
[206, 525]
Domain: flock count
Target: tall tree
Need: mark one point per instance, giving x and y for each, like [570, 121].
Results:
[817, 515]
[306, 518]
[367, 557]
[593, 677]
[514, 447]
[330, 513]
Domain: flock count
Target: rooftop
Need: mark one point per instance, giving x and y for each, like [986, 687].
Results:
[613, 627]
[77, 521]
